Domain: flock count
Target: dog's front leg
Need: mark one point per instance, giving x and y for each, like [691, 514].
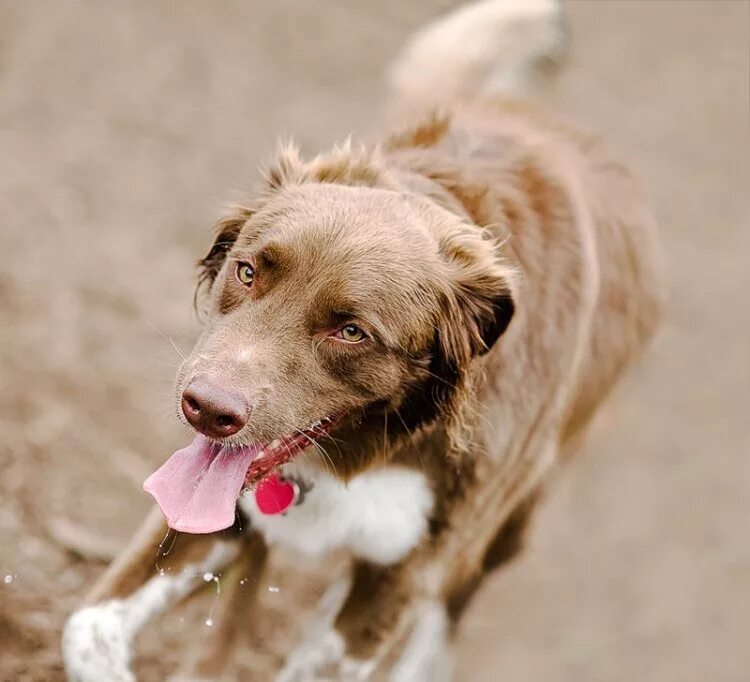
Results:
[239, 590]
[156, 570]
[348, 645]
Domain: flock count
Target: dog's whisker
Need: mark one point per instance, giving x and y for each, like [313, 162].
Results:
[324, 453]
[329, 436]
[385, 438]
[406, 428]
[169, 339]
[439, 378]
[417, 449]
[320, 449]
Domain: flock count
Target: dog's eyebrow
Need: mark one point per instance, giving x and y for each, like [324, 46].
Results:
[270, 256]
[273, 255]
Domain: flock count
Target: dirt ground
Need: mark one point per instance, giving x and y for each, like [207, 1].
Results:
[123, 129]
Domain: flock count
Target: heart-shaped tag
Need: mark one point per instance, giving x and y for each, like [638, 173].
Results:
[274, 495]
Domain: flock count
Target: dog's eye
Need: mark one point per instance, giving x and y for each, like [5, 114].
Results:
[351, 333]
[245, 273]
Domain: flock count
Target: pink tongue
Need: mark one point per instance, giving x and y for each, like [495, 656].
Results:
[197, 487]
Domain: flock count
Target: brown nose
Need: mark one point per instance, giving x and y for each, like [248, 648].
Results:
[213, 409]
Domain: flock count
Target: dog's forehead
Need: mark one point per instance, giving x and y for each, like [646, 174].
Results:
[320, 216]
[335, 231]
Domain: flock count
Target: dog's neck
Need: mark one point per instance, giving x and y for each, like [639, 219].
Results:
[373, 438]
[383, 437]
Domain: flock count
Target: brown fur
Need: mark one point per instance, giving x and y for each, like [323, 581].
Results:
[505, 269]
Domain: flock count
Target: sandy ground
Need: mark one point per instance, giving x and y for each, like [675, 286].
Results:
[123, 128]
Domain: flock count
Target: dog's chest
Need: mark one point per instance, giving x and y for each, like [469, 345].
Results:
[380, 515]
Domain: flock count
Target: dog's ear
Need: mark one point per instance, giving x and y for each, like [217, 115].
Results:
[226, 232]
[481, 284]
[486, 307]
[476, 308]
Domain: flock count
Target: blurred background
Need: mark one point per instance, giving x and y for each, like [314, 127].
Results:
[124, 127]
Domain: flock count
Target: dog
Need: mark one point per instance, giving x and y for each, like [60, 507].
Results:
[402, 342]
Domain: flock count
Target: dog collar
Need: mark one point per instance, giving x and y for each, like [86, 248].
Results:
[275, 494]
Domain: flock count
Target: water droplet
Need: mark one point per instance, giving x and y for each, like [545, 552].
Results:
[8, 579]
[273, 588]
[161, 571]
[209, 622]
[208, 577]
[243, 581]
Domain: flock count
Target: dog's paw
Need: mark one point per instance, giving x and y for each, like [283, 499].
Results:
[323, 659]
[311, 657]
[96, 645]
[354, 670]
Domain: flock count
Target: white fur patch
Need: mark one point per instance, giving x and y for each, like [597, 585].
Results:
[379, 516]
[97, 640]
[96, 644]
[308, 659]
[426, 657]
[321, 645]
[322, 658]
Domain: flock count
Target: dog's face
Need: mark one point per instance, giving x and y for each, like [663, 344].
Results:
[334, 302]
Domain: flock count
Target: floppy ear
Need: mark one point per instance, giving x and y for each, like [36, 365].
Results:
[227, 230]
[486, 306]
[481, 284]
[476, 308]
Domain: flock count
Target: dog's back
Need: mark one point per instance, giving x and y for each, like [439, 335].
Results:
[470, 81]
[571, 220]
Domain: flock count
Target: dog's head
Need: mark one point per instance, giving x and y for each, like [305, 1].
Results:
[338, 300]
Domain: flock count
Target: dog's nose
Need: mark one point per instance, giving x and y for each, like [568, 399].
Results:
[213, 409]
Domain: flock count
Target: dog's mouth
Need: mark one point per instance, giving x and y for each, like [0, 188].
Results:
[282, 450]
[198, 486]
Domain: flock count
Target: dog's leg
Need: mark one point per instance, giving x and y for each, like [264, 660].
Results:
[427, 656]
[97, 640]
[347, 647]
[422, 593]
[383, 603]
[426, 591]
[504, 547]
[239, 589]
[320, 645]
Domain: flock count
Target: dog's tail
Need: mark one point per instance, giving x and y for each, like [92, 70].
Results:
[482, 49]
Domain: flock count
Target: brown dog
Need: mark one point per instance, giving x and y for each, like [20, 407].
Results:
[413, 335]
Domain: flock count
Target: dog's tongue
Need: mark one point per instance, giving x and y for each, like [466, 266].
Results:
[197, 487]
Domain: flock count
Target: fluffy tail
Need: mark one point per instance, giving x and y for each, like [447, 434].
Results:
[484, 48]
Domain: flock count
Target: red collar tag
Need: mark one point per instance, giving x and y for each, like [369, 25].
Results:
[274, 494]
